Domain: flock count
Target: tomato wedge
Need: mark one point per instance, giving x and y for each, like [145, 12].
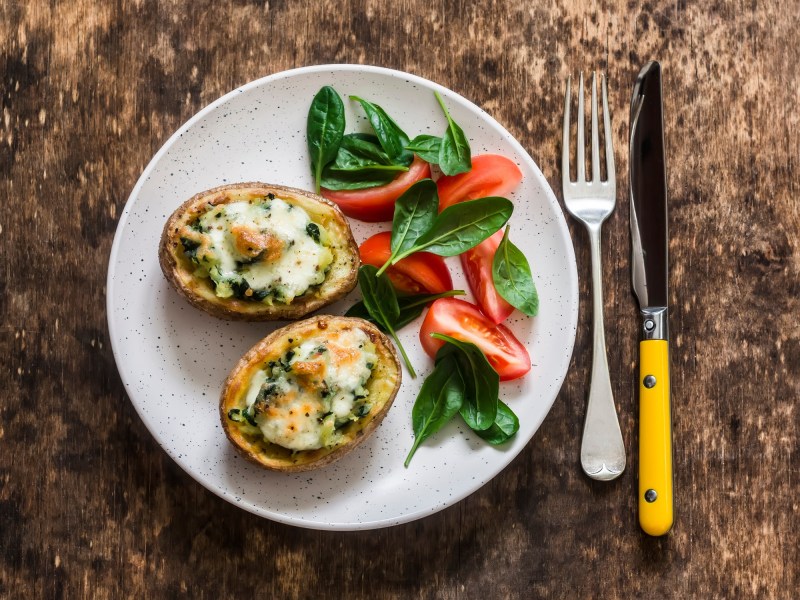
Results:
[477, 264]
[462, 320]
[377, 204]
[491, 175]
[420, 273]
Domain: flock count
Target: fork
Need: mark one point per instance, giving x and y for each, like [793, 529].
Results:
[591, 202]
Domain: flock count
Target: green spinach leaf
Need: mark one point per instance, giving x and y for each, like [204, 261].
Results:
[324, 130]
[379, 295]
[512, 277]
[481, 381]
[380, 300]
[351, 140]
[462, 381]
[360, 164]
[505, 425]
[359, 178]
[366, 148]
[438, 401]
[414, 214]
[426, 147]
[392, 138]
[455, 155]
[462, 226]
[367, 137]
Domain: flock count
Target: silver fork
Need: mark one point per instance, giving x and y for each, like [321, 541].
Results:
[591, 202]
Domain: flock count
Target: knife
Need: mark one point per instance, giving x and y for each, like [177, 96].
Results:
[649, 241]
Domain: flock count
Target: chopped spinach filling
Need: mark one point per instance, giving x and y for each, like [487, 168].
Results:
[312, 229]
[241, 415]
[271, 276]
[241, 289]
[190, 248]
[327, 395]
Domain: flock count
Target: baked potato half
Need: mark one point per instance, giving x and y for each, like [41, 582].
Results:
[259, 252]
[310, 392]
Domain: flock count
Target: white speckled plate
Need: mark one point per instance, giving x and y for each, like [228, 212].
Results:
[173, 358]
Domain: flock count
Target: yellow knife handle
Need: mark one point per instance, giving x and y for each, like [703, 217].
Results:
[655, 438]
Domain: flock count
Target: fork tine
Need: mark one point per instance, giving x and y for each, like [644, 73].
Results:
[581, 142]
[610, 173]
[565, 139]
[595, 133]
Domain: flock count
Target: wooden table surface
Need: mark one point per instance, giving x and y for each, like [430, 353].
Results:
[91, 507]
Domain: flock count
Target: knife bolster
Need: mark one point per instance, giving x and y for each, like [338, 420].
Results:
[655, 323]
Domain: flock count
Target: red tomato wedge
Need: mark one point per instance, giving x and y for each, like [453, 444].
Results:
[377, 204]
[477, 264]
[491, 175]
[462, 320]
[420, 273]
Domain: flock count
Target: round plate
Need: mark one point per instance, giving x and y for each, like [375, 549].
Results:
[174, 358]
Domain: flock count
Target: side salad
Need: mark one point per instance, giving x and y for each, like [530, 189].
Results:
[386, 175]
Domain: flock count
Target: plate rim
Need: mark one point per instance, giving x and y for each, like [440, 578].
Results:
[252, 508]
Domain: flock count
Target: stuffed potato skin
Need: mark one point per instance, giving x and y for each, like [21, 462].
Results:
[382, 385]
[200, 291]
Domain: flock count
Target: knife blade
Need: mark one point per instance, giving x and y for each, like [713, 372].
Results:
[649, 273]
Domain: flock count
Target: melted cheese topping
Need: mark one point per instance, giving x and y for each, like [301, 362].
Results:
[267, 250]
[302, 400]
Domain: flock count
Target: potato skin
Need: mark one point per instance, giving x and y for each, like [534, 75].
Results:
[200, 293]
[383, 387]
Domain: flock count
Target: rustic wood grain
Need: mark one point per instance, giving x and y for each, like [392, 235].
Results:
[90, 507]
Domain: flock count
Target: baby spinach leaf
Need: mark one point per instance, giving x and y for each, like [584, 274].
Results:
[481, 381]
[455, 155]
[379, 296]
[392, 138]
[462, 226]
[351, 140]
[346, 159]
[324, 129]
[438, 401]
[380, 300]
[505, 425]
[512, 277]
[359, 178]
[414, 214]
[367, 137]
[360, 164]
[367, 170]
[190, 248]
[462, 381]
[426, 147]
[411, 307]
[366, 148]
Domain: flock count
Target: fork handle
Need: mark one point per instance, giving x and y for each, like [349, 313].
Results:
[602, 448]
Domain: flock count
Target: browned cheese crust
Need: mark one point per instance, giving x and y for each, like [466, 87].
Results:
[382, 386]
[179, 270]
